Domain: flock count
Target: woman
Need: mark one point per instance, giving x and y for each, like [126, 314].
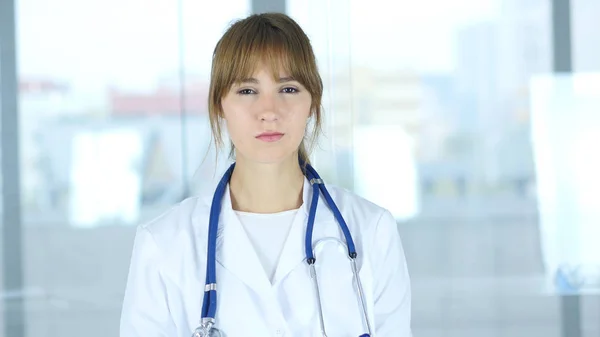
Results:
[266, 89]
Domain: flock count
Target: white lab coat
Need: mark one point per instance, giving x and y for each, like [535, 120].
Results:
[166, 279]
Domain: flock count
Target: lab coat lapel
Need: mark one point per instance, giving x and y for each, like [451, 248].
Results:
[293, 253]
[235, 252]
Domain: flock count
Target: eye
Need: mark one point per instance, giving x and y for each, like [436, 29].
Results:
[289, 90]
[246, 92]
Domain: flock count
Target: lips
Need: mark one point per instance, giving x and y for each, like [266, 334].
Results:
[270, 136]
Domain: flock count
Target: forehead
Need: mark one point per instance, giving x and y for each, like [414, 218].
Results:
[276, 64]
[263, 72]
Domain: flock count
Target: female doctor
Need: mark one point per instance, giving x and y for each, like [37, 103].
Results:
[275, 251]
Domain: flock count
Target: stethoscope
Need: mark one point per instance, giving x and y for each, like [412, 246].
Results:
[209, 304]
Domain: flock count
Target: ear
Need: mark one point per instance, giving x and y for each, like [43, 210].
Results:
[221, 112]
[311, 113]
[221, 115]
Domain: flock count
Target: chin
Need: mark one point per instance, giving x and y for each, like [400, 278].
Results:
[271, 156]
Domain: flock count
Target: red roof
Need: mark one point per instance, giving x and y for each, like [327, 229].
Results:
[167, 101]
[37, 86]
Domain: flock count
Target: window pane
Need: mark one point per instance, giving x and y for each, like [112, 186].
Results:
[113, 127]
[2, 290]
[585, 37]
[428, 111]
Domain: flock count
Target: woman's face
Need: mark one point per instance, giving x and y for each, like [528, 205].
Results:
[266, 119]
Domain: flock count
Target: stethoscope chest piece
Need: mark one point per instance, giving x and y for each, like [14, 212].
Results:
[203, 332]
[214, 332]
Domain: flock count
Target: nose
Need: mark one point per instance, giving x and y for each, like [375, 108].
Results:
[268, 108]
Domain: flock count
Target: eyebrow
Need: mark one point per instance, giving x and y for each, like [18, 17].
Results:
[255, 81]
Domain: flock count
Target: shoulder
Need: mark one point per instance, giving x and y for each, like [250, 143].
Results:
[374, 227]
[364, 212]
[178, 221]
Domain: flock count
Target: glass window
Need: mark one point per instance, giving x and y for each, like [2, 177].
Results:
[429, 109]
[113, 129]
[584, 38]
[2, 261]
[446, 113]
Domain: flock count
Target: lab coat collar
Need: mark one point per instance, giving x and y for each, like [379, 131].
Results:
[235, 251]
[294, 251]
[236, 254]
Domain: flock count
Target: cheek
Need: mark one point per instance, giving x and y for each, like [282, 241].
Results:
[236, 128]
[299, 122]
[298, 126]
[302, 116]
[236, 119]
[300, 108]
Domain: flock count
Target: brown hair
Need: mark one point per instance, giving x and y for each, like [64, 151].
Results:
[277, 40]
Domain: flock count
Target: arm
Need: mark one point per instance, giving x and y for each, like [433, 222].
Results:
[392, 293]
[145, 312]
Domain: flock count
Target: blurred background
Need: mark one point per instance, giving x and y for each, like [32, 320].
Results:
[476, 122]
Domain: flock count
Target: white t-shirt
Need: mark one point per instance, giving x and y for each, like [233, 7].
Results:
[267, 233]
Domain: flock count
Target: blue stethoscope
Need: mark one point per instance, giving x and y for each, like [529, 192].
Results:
[209, 304]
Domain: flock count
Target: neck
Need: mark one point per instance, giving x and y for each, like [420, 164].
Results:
[266, 188]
